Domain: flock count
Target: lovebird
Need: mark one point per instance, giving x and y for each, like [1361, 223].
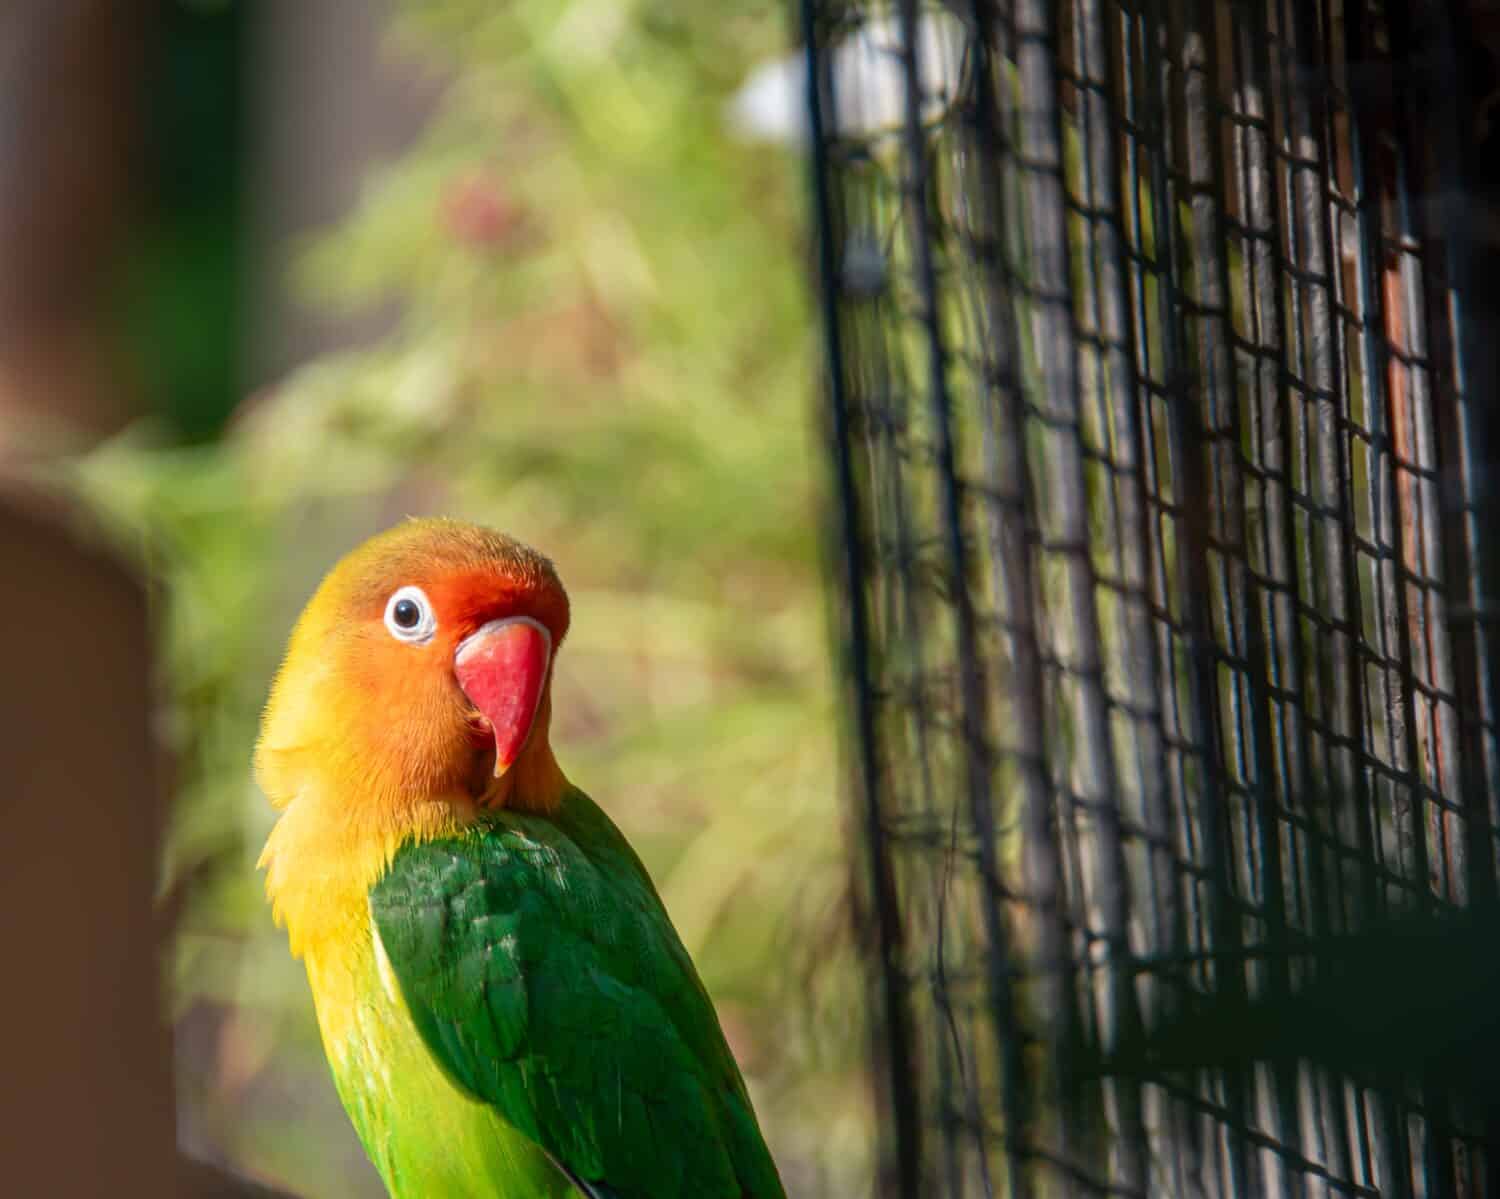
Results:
[505, 1005]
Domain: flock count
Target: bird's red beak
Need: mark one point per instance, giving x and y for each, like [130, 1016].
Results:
[502, 668]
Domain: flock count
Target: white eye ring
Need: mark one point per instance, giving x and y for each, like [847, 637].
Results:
[402, 625]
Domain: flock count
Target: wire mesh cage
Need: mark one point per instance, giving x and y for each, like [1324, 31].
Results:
[1154, 329]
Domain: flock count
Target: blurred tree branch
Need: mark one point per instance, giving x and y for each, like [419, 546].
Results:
[87, 1107]
[70, 74]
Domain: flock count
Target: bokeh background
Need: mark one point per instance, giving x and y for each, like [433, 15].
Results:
[273, 276]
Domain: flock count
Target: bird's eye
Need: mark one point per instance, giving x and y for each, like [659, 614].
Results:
[408, 615]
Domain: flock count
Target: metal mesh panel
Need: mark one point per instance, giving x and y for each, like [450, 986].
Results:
[1149, 411]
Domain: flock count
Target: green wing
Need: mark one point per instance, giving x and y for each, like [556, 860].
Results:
[543, 972]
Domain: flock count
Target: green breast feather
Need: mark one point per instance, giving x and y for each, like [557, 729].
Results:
[543, 973]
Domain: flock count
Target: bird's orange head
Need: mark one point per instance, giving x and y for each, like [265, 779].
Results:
[415, 692]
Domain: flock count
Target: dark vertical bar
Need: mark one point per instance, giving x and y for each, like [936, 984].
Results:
[1306, 124]
[1185, 439]
[1409, 418]
[1462, 426]
[1123, 339]
[958, 1090]
[1099, 85]
[1471, 440]
[1265, 285]
[1351, 718]
[1199, 725]
[1005, 421]
[1151, 243]
[1218, 377]
[1471, 183]
[1211, 232]
[977, 762]
[1067, 522]
[887, 486]
[1437, 1124]
[1391, 1146]
[897, 1024]
[1309, 127]
[1463, 401]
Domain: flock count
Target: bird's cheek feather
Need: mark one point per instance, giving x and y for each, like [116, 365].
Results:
[502, 668]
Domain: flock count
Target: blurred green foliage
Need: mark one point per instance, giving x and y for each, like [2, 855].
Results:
[604, 350]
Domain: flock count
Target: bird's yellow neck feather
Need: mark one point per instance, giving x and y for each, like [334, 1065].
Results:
[328, 849]
[335, 839]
